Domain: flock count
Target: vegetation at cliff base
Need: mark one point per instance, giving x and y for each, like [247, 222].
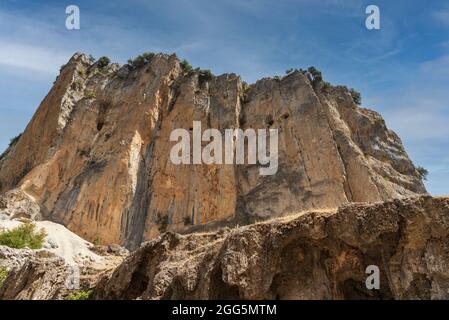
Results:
[23, 236]
[3, 275]
[97, 241]
[80, 295]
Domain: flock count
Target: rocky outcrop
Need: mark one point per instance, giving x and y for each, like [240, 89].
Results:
[34, 275]
[16, 204]
[65, 264]
[321, 254]
[47, 275]
[314, 255]
[95, 156]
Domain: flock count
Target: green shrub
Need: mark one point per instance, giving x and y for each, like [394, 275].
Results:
[244, 94]
[89, 94]
[382, 122]
[137, 62]
[186, 66]
[204, 75]
[3, 274]
[97, 241]
[103, 62]
[14, 140]
[423, 172]
[288, 71]
[356, 96]
[148, 56]
[23, 236]
[326, 86]
[315, 75]
[141, 60]
[80, 295]
[4, 154]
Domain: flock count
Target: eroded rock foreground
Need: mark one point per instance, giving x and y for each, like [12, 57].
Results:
[313, 255]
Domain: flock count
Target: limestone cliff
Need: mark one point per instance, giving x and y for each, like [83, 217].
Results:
[95, 156]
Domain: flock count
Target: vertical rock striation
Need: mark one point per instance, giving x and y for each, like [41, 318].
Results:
[96, 155]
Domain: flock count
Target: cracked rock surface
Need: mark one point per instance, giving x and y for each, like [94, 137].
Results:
[95, 156]
[313, 255]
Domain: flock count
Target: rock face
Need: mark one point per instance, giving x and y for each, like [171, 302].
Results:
[316, 255]
[321, 254]
[45, 274]
[65, 264]
[37, 275]
[95, 156]
[16, 204]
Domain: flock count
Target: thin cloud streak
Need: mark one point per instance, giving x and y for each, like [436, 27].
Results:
[31, 58]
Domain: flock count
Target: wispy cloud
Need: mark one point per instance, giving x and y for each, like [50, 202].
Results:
[33, 58]
[441, 16]
[437, 68]
[419, 112]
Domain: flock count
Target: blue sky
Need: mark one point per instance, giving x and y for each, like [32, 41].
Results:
[401, 70]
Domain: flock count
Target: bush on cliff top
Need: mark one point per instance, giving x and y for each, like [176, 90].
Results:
[423, 172]
[315, 75]
[204, 75]
[103, 62]
[23, 236]
[14, 140]
[141, 60]
[356, 96]
[186, 66]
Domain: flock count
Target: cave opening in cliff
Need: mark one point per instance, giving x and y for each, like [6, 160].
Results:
[220, 290]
